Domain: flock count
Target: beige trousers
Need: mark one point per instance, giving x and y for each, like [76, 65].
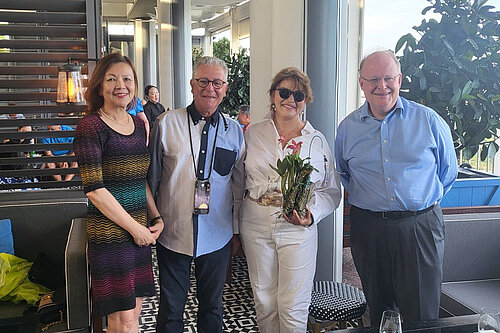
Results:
[281, 262]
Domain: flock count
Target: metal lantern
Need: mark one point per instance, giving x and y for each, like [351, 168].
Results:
[69, 84]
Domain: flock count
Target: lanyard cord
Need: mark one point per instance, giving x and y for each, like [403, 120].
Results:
[192, 151]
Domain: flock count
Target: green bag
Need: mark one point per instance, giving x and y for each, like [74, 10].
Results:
[14, 283]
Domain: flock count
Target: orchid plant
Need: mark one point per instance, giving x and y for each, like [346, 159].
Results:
[296, 186]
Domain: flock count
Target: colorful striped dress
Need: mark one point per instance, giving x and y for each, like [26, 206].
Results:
[120, 270]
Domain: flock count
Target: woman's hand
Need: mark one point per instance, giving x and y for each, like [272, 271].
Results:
[143, 236]
[297, 220]
[157, 228]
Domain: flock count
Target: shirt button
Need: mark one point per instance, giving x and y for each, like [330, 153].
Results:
[385, 122]
[203, 152]
[201, 171]
[387, 160]
[385, 141]
[392, 199]
[204, 132]
[388, 178]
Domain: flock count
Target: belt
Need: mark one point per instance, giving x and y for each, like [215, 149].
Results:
[268, 200]
[396, 214]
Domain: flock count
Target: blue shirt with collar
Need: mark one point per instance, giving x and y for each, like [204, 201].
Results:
[405, 161]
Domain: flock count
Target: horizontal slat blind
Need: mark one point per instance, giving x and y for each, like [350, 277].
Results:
[37, 37]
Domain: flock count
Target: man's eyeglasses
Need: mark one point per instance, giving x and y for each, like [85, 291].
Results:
[217, 83]
[375, 81]
[298, 95]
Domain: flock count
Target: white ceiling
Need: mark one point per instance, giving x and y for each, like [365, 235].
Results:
[125, 10]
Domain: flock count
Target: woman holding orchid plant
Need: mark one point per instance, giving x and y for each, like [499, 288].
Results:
[286, 185]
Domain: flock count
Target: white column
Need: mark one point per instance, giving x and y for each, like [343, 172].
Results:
[139, 45]
[277, 39]
[165, 54]
[235, 36]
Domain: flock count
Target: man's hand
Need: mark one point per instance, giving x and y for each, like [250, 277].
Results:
[236, 249]
[157, 228]
[297, 220]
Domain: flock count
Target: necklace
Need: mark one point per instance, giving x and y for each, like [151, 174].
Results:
[295, 131]
[115, 121]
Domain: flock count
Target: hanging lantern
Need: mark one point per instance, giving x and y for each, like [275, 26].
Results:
[69, 84]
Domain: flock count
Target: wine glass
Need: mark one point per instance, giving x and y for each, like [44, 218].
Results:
[391, 322]
[489, 322]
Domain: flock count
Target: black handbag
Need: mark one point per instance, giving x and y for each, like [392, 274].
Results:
[45, 272]
[52, 308]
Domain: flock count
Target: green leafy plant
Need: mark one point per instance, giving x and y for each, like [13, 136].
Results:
[222, 49]
[454, 69]
[296, 186]
[197, 52]
[238, 78]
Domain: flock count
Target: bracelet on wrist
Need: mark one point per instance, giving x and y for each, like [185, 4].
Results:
[154, 220]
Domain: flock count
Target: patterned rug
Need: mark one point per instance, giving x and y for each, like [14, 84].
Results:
[239, 313]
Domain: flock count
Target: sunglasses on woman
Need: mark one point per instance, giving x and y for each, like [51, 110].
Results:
[298, 95]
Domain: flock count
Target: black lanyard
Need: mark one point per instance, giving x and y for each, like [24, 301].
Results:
[213, 148]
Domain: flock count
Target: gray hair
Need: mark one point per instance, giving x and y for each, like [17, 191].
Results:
[245, 109]
[388, 52]
[209, 61]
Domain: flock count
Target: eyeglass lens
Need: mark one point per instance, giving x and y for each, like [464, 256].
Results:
[217, 83]
[298, 95]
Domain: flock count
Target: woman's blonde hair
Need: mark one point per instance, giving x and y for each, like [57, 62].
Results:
[294, 74]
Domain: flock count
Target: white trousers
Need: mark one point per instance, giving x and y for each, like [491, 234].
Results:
[281, 263]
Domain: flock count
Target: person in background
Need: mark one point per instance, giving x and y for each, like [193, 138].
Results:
[396, 160]
[110, 146]
[137, 109]
[193, 150]
[12, 116]
[281, 250]
[152, 108]
[59, 165]
[244, 117]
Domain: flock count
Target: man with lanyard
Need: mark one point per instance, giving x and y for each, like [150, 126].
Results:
[193, 151]
[396, 160]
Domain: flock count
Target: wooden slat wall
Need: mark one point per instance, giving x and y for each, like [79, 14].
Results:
[35, 38]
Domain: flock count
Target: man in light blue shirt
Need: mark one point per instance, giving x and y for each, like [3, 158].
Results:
[191, 148]
[396, 160]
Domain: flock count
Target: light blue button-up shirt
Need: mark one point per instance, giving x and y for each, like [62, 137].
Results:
[403, 162]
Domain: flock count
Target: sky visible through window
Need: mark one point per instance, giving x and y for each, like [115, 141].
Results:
[385, 21]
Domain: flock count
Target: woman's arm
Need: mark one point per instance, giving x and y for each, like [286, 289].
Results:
[153, 212]
[111, 208]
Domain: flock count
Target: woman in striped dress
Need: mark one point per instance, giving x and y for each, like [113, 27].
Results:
[110, 146]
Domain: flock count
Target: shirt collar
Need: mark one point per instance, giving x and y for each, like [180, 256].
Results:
[398, 108]
[196, 116]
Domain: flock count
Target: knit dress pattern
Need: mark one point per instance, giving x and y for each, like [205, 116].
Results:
[120, 269]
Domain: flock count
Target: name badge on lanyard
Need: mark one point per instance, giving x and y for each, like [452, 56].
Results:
[202, 186]
[201, 196]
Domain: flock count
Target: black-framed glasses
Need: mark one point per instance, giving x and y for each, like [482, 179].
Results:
[217, 83]
[298, 95]
[376, 80]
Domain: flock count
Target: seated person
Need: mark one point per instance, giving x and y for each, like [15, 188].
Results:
[16, 154]
[153, 108]
[59, 165]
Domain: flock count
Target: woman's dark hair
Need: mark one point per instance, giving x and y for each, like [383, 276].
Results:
[146, 90]
[93, 94]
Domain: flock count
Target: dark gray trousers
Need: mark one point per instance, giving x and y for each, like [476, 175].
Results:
[400, 262]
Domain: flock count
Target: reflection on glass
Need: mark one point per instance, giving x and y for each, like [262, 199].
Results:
[489, 322]
[391, 322]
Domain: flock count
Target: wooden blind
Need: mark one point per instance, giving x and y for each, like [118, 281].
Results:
[35, 38]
